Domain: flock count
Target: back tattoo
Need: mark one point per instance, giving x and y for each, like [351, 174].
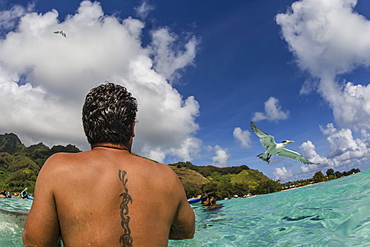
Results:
[125, 238]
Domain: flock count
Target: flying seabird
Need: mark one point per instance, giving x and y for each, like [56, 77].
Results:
[62, 33]
[272, 147]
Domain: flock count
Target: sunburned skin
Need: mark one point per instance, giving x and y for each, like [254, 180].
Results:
[138, 202]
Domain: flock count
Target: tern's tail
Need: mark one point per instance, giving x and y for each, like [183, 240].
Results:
[265, 157]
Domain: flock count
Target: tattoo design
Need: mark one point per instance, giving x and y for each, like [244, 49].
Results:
[125, 238]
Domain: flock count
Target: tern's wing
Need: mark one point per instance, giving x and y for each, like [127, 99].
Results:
[293, 155]
[265, 139]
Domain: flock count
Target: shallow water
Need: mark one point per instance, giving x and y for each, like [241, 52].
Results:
[10, 229]
[335, 213]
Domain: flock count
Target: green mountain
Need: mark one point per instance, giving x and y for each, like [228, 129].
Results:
[225, 181]
[20, 165]
[10, 143]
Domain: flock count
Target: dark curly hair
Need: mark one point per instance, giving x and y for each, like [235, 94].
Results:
[108, 114]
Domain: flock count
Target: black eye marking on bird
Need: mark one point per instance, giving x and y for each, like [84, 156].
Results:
[268, 141]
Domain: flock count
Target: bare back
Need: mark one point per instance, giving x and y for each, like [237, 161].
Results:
[108, 197]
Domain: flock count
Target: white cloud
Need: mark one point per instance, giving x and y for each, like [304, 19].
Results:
[167, 60]
[329, 39]
[221, 157]
[10, 18]
[55, 73]
[243, 137]
[345, 150]
[272, 112]
[282, 174]
[343, 146]
[308, 150]
[144, 9]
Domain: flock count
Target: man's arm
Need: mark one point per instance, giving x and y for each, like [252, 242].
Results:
[42, 226]
[183, 226]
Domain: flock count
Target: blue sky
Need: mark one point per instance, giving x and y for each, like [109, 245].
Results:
[201, 71]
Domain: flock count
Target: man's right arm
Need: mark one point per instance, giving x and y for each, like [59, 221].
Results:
[42, 225]
[183, 226]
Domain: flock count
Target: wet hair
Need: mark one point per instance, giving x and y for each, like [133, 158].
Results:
[108, 114]
[208, 194]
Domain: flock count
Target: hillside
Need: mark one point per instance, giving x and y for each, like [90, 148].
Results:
[20, 165]
[227, 181]
[190, 177]
[10, 143]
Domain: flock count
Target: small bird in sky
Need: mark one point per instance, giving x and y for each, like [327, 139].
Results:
[272, 147]
[62, 33]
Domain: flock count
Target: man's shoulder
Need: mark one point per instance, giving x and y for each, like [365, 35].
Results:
[162, 169]
[56, 159]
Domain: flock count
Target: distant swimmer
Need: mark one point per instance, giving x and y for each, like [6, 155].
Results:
[5, 194]
[209, 199]
[24, 193]
[272, 147]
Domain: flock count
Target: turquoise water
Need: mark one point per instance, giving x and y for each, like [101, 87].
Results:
[10, 231]
[335, 213]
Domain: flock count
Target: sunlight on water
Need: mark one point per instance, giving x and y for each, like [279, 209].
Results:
[335, 213]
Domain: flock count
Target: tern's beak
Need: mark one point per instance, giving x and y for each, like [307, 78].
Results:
[290, 141]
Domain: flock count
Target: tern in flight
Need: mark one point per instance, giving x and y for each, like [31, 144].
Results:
[62, 33]
[272, 147]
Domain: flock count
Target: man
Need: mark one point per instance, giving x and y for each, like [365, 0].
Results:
[209, 198]
[107, 196]
[3, 193]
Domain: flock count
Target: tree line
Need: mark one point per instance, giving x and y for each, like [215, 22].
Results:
[319, 177]
[229, 182]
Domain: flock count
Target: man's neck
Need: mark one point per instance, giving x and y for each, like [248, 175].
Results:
[113, 146]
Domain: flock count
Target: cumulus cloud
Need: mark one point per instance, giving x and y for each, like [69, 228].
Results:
[282, 174]
[45, 77]
[243, 137]
[345, 150]
[221, 157]
[308, 150]
[343, 146]
[9, 18]
[272, 112]
[167, 60]
[328, 38]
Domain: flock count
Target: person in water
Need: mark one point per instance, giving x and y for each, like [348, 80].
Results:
[24, 193]
[5, 193]
[107, 196]
[209, 198]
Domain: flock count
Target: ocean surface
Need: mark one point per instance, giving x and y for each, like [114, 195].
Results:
[334, 213]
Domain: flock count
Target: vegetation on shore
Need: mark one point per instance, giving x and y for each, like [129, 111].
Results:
[319, 177]
[242, 181]
[20, 165]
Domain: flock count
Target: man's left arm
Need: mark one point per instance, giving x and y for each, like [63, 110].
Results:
[42, 225]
